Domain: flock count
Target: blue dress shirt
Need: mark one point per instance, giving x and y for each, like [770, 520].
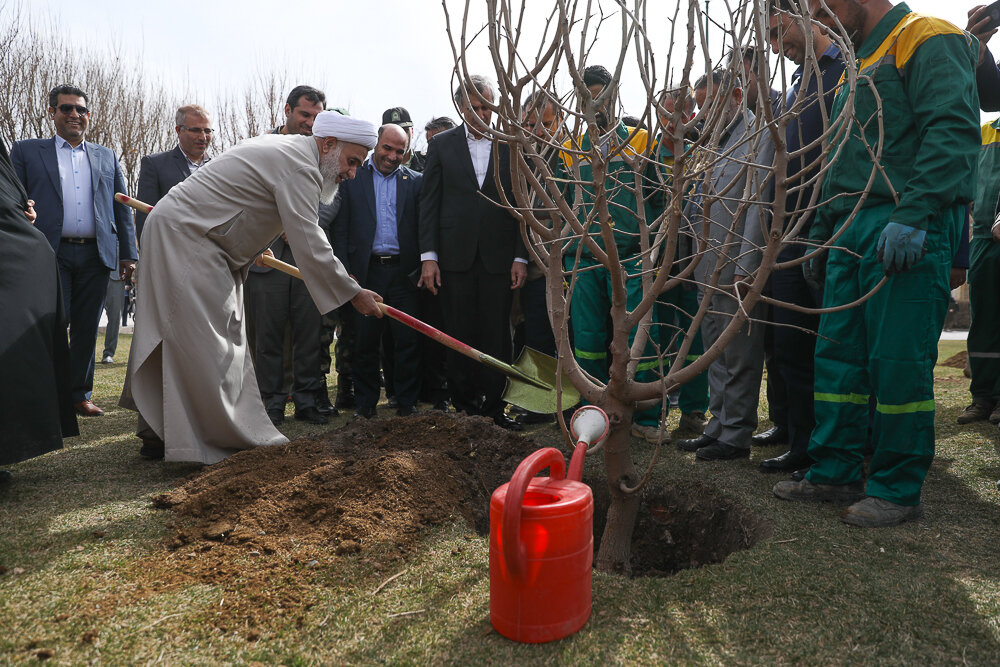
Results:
[77, 190]
[386, 237]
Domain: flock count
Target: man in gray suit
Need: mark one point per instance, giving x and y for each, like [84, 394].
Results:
[161, 171]
[734, 241]
[73, 183]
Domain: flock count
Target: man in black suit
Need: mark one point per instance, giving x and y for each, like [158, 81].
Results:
[375, 236]
[471, 248]
[73, 183]
[161, 171]
[277, 303]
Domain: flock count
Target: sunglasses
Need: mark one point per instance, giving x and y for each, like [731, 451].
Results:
[68, 109]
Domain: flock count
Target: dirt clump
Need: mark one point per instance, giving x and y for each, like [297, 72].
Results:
[263, 524]
[371, 482]
[958, 360]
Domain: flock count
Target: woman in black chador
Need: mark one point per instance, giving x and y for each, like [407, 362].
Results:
[35, 407]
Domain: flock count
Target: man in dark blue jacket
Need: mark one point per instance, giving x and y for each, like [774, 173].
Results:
[375, 236]
[73, 183]
[811, 92]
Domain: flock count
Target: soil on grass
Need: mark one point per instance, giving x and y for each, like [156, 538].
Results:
[267, 525]
[956, 360]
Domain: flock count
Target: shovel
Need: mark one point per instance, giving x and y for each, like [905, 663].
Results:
[531, 380]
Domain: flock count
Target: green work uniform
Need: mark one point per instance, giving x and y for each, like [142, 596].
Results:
[676, 307]
[984, 272]
[923, 70]
[591, 299]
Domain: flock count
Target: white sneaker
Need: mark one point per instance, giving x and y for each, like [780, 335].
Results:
[108, 359]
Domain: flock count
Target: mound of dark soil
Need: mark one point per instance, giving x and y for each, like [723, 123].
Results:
[371, 482]
[956, 360]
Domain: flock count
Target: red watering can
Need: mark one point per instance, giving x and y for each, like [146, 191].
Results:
[542, 541]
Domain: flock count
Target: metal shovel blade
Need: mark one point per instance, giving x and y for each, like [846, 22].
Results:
[530, 396]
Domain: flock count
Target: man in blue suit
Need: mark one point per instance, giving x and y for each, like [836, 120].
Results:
[73, 183]
[375, 236]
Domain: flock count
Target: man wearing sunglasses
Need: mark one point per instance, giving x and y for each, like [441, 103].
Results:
[161, 171]
[73, 183]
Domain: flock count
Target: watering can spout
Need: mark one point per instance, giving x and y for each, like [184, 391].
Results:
[589, 427]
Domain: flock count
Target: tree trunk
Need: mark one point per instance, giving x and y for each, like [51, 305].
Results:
[615, 551]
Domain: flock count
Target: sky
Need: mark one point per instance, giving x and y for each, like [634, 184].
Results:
[367, 55]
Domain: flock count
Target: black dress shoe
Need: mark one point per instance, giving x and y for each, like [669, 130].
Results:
[505, 422]
[310, 415]
[5, 476]
[365, 412]
[799, 475]
[720, 451]
[694, 444]
[776, 435]
[442, 405]
[787, 462]
[276, 415]
[345, 395]
[152, 448]
[406, 411]
[324, 406]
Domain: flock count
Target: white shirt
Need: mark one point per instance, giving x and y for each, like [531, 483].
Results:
[479, 149]
[192, 166]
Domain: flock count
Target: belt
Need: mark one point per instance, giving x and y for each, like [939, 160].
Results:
[385, 259]
[78, 240]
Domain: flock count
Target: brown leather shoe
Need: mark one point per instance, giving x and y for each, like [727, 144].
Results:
[87, 409]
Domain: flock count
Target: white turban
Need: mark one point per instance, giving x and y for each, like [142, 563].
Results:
[345, 128]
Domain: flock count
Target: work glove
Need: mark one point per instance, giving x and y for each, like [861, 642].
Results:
[900, 247]
[814, 271]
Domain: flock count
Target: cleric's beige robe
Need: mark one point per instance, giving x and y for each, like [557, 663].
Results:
[190, 375]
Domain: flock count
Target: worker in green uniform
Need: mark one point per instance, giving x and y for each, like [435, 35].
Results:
[591, 297]
[907, 229]
[676, 307]
[984, 285]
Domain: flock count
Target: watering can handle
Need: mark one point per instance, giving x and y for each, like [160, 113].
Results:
[514, 552]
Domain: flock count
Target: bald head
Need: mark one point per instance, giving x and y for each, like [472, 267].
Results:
[390, 148]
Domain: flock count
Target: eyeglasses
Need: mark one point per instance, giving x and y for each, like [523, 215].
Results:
[68, 109]
[207, 131]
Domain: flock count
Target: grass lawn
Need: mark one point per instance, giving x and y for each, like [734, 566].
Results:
[75, 523]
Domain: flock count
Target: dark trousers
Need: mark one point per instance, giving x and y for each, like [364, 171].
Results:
[84, 279]
[280, 300]
[476, 308]
[433, 355]
[777, 391]
[794, 349]
[114, 306]
[391, 282]
[537, 329]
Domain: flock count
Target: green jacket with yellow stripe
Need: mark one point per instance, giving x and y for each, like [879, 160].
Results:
[984, 209]
[619, 184]
[923, 69]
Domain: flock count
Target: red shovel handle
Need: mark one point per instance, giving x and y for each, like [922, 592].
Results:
[431, 332]
[142, 207]
[514, 551]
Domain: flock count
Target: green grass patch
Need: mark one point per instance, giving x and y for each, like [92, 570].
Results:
[76, 524]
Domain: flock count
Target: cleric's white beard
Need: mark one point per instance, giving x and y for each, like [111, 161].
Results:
[329, 169]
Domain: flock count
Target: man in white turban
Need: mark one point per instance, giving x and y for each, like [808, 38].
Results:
[190, 374]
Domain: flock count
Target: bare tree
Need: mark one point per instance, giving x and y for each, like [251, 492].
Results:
[565, 209]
